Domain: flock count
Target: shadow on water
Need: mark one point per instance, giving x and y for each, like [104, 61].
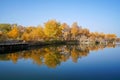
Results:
[52, 56]
[11, 48]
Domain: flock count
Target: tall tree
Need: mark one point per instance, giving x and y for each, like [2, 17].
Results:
[26, 36]
[14, 33]
[75, 30]
[3, 36]
[37, 34]
[66, 31]
[5, 27]
[52, 29]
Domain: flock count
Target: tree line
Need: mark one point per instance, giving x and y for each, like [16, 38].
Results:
[51, 30]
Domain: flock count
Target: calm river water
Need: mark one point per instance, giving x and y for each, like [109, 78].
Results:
[66, 62]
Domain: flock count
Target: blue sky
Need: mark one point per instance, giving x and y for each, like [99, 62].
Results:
[96, 15]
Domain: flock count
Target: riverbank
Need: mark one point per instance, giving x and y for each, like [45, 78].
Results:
[54, 42]
[11, 46]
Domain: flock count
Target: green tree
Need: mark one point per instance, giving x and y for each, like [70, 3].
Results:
[5, 27]
[3, 36]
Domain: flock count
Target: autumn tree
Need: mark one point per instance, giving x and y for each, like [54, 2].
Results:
[5, 27]
[110, 37]
[3, 36]
[85, 32]
[80, 31]
[66, 31]
[14, 33]
[21, 30]
[37, 34]
[26, 35]
[74, 30]
[52, 29]
[102, 35]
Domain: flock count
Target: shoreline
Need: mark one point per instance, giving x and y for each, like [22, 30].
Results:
[19, 46]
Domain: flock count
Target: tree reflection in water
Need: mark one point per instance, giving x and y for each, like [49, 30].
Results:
[53, 56]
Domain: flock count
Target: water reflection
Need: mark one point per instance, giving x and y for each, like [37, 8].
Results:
[53, 56]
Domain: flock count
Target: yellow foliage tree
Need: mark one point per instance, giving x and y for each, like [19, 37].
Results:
[85, 32]
[52, 29]
[37, 34]
[14, 33]
[26, 36]
[110, 36]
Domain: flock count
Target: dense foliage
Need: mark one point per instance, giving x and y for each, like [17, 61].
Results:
[52, 30]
